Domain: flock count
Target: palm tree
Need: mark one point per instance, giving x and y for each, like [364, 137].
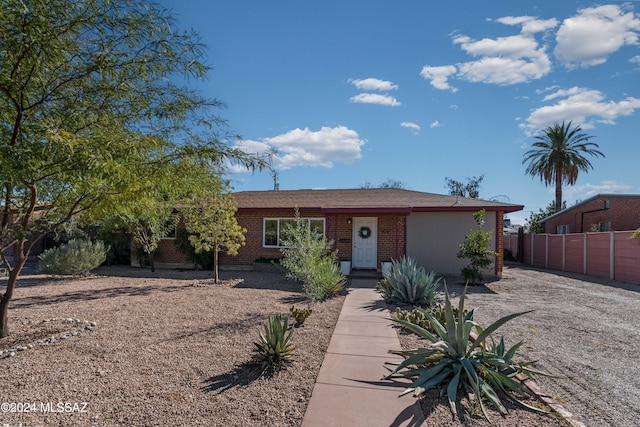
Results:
[558, 156]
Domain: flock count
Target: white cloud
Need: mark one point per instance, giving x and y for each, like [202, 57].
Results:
[580, 105]
[504, 61]
[375, 98]
[530, 24]
[635, 59]
[373, 84]
[588, 38]
[304, 147]
[435, 124]
[413, 126]
[582, 192]
[439, 76]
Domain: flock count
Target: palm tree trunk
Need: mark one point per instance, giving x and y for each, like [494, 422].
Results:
[558, 191]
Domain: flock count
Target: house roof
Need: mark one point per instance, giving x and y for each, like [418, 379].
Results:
[596, 197]
[363, 200]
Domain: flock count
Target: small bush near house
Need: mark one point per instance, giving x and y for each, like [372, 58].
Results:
[323, 279]
[76, 258]
[475, 248]
[409, 284]
[456, 361]
[274, 346]
[308, 258]
[203, 259]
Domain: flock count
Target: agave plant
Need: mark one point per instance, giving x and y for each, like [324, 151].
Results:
[457, 360]
[274, 346]
[409, 284]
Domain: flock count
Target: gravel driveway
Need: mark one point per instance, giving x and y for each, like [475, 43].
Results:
[583, 329]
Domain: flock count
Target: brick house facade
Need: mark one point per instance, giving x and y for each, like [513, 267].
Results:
[428, 227]
[603, 212]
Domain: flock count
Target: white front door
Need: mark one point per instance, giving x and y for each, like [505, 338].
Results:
[365, 243]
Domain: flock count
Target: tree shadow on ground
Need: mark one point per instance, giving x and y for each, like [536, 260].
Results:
[240, 376]
[455, 290]
[93, 294]
[271, 281]
[237, 326]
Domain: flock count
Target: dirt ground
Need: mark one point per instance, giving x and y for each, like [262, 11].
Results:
[166, 352]
[162, 352]
[584, 330]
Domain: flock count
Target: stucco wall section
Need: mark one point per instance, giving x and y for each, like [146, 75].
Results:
[434, 238]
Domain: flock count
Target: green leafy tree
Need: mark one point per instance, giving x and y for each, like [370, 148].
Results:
[475, 248]
[469, 189]
[559, 155]
[94, 100]
[535, 224]
[148, 222]
[212, 226]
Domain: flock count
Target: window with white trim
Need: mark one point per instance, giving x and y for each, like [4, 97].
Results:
[274, 229]
[563, 229]
[604, 226]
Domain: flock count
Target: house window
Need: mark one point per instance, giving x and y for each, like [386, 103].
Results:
[563, 229]
[275, 229]
[604, 226]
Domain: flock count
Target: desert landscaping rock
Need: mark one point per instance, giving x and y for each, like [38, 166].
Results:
[582, 330]
[171, 353]
[157, 350]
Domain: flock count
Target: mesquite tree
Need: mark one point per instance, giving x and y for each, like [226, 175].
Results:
[93, 101]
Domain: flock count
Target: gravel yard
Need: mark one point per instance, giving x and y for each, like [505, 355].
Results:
[163, 352]
[585, 330]
[166, 352]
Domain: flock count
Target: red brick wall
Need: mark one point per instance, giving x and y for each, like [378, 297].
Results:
[392, 241]
[391, 235]
[623, 213]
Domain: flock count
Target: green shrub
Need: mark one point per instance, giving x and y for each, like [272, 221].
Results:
[475, 248]
[323, 279]
[275, 343]
[308, 258]
[455, 361]
[409, 284]
[203, 259]
[300, 314]
[75, 258]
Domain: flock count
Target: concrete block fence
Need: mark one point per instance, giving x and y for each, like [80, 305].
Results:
[611, 255]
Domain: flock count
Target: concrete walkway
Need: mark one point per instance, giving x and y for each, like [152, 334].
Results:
[348, 390]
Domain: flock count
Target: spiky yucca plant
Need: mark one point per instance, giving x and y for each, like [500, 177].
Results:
[456, 360]
[275, 344]
[409, 284]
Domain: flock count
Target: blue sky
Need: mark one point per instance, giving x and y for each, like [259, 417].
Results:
[350, 92]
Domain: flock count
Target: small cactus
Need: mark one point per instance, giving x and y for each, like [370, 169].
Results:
[300, 314]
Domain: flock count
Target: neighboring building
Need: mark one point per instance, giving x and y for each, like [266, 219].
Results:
[603, 212]
[368, 226]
